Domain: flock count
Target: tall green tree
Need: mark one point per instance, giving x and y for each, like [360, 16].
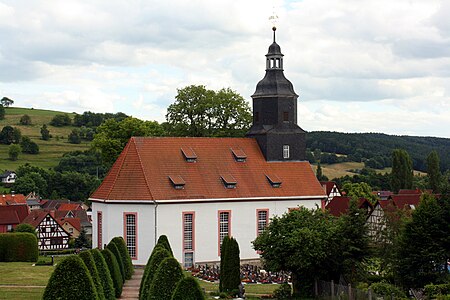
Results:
[29, 146]
[402, 171]
[13, 152]
[424, 244]
[198, 111]
[303, 242]
[45, 133]
[319, 174]
[6, 102]
[112, 135]
[359, 190]
[433, 171]
[2, 112]
[10, 135]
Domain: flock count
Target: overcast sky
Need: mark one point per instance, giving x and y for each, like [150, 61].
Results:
[358, 65]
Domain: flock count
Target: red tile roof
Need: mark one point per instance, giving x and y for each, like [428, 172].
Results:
[35, 217]
[142, 170]
[13, 214]
[69, 206]
[10, 199]
[406, 201]
[339, 205]
[75, 222]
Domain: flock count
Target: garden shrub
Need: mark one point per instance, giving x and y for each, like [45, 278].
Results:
[113, 266]
[188, 289]
[21, 246]
[126, 259]
[230, 275]
[163, 240]
[113, 248]
[70, 280]
[104, 274]
[25, 227]
[165, 279]
[387, 289]
[147, 267]
[158, 255]
[434, 290]
[88, 260]
[284, 291]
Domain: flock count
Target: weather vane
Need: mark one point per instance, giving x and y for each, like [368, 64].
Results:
[273, 19]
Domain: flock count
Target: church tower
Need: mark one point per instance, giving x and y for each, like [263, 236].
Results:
[275, 113]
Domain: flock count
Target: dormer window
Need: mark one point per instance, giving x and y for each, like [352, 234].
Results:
[239, 155]
[229, 181]
[274, 180]
[177, 182]
[189, 154]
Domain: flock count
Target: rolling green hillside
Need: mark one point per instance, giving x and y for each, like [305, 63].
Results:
[50, 151]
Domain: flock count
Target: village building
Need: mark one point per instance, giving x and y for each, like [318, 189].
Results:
[51, 234]
[199, 190]
[331, 190]
[11, 216]
[8, 178]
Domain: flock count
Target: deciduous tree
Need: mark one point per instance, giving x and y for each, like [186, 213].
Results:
[6, 102]
[402, 172]
[198, 111]
[45, 133]
[433, 171]
[13, 152]
[25, 120]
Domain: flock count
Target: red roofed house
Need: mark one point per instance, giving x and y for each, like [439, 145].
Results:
[340, 205]
[71, 225]
[12, 199]
[51, 234]
[199, 190]
[11, 216]
[331, 189]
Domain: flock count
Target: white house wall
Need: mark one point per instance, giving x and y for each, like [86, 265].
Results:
[170, 223]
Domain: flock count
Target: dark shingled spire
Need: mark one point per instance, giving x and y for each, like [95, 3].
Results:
[275, 112]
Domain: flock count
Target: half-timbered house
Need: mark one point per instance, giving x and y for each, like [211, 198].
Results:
[51, 234]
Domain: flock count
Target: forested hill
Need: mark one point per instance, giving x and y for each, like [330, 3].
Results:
[377, 147]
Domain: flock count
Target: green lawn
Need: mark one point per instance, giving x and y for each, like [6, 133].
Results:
[21, 293]
[50, 152]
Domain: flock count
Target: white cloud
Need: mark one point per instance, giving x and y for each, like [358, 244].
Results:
[371, 65]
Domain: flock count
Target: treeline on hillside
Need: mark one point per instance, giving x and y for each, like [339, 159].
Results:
[375, 149]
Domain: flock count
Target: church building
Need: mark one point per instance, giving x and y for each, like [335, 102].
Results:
[199, 190]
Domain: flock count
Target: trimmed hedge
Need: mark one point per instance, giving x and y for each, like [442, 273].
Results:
[113, 266]
[188, 289]
[113, 248]
[434, 290]
[70, 280]
[163, 240]
[88, 260]
[166, 279]
[387, 289]
[126, 259]
[158, 255]
[21, 246]
[104, 274]
[146, 270]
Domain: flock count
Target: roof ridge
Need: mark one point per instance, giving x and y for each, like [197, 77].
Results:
[143, 170]
[124, 153]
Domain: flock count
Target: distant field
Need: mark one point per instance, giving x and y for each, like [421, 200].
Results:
[50, 151]
[340, 169]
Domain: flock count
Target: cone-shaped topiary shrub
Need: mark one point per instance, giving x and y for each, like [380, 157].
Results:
[126, 259]
[70, 280]
[113, 248]
[88, 260]
[20, 246]
[113, 266]
[163, 240]
[158, 255]
[165, 280]
[144, 276]
[223, 258]
[104, 273]
[188, 289]
[229, 266]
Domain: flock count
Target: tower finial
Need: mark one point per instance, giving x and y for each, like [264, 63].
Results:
[274, 19]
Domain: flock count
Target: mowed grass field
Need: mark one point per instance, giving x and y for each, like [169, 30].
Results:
[50, 152]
